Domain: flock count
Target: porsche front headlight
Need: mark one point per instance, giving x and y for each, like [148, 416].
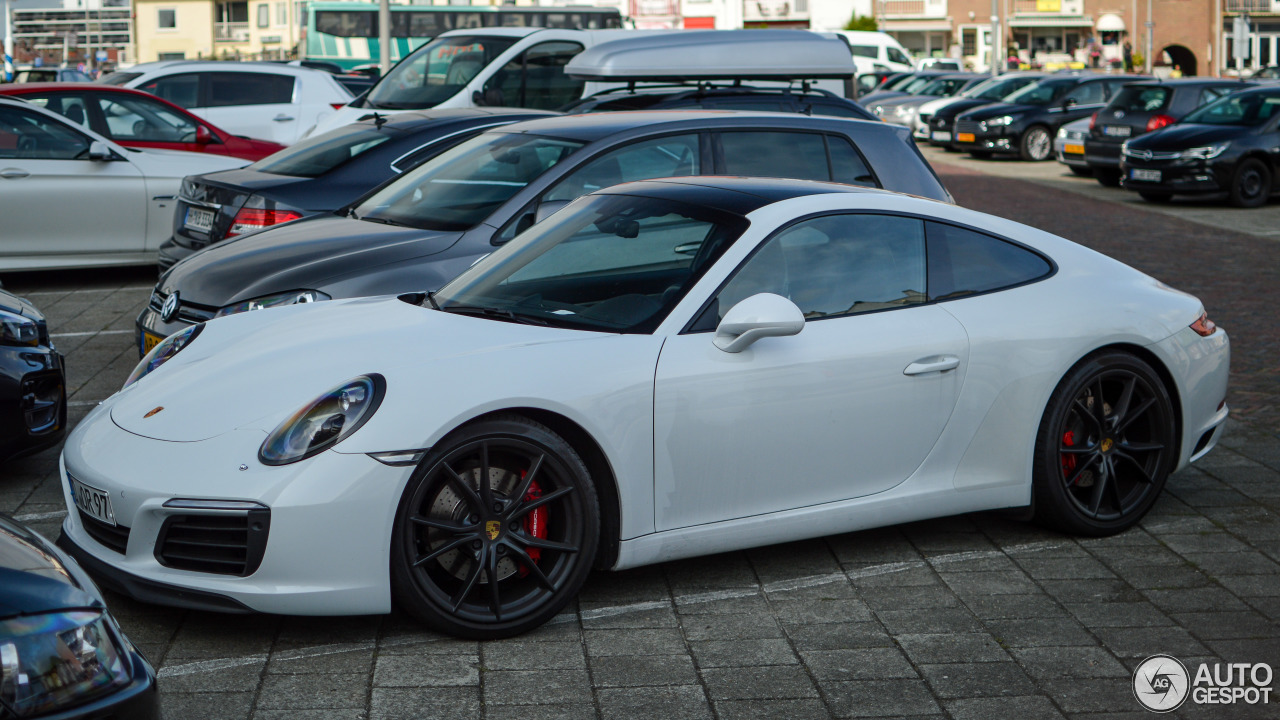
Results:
[324, 422]
[55, 661]
[163, 353]
[295, 297]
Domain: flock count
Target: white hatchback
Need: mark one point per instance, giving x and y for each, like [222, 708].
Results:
[270, 101]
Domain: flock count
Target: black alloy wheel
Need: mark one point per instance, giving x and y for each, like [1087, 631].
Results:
[1036, 145]
[496, 530]
[1107, 177]
[1251, 185]
[1106, 445]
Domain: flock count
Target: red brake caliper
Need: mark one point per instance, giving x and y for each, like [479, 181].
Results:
[1068, 461]
[535, 523]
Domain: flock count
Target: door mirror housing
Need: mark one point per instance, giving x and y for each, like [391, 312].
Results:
[759, 316]
[98, 150]
[1069, 103]
[203, 135]
[548, 208]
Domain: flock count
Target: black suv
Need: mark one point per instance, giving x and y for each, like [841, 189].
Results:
[721, 97]
[1140, 108]
[1026, 122]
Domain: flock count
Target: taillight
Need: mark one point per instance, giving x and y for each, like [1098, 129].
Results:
[1203, 326]
[1093, 120]
[250, 219]
[1158, 121]
[337, 106]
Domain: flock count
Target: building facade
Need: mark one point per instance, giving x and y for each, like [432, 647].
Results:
[211, 29]
[101, 33]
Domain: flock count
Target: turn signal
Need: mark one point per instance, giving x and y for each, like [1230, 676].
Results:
[1158, 121]
[1204, 327]
[250, 219]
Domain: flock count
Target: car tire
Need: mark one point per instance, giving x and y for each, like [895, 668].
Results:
[1155, 197]
[1105, 447]
[1036, 145]
[1107, 177]
[1251, 185]
[534, 525]
[1081, 171]
[980, 154]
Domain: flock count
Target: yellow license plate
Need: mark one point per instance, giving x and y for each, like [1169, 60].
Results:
[1073, 149]
[149, 341]
[965, 137]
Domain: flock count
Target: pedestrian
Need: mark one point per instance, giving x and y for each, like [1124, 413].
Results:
[1128, 57]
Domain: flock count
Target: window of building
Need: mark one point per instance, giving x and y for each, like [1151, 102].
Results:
[167, 19]
[264, 15]
[282, 14]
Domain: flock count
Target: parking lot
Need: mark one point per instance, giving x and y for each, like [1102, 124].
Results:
[969, 617]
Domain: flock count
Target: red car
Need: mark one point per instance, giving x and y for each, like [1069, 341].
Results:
[137, 119]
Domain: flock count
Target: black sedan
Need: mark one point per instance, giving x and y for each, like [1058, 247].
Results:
[433, 222]
[62, 655]
[33, 402]
[320, 174]
[1229, 148]
[938, 127]
[1026, 122]
[1140, 108]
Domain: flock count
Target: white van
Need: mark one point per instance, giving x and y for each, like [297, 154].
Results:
[881, 49]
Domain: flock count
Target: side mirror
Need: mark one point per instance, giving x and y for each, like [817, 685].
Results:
[1069, 103]
[203, 135]
[548, 208]
[98, 150]
[759, 316]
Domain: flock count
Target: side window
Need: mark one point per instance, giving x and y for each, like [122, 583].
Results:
[833, 108]
[802, 156]
[1210, 94]
[1086, 94]
[144, 120]
[71, 107]
[964, 262]
[897, 56]
[414, 158]
[181, 90]
[227, 89]
[847, 166]
[536, 78]
[33, 136]
[672, 156]
[835, 265]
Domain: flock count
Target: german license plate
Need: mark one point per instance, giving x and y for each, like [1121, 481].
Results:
[149, 340]
[1117, 130]
[942, 136]
[93, 502]
[966, 137]
[1071, 149]
[1144, 175]
[199, 219]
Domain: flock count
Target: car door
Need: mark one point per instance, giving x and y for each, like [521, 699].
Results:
[254, 104]
[1082, 101]
[137, 121]
[849, 407]
[53, 200]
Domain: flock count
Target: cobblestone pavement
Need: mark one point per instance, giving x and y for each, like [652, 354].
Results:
[968, 617]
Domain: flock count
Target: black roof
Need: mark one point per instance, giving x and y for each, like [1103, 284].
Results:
[1191, 81]
[594, 126]
[738, 195]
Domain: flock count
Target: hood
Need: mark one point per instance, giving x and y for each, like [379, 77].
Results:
[178, 164]
[997, 109]
[959, 105]
[302, 255]
[254, 369]
[1181, 136]
[33, 576]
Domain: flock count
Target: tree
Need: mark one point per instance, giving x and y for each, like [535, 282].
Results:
[861, 22]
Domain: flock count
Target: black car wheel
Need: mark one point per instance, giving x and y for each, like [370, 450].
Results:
[1109, 177]
[1106, 446]
[1155, 197]
[496, 530]
[1251, 185]
[1036, 144]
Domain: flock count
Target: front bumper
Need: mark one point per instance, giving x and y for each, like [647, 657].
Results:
[1061, 147]
[33, 400]
[327, 550]
[1102, 154]
[149, 321]
[968, 137]
[1193, 177]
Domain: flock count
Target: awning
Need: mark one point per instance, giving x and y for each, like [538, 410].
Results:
[1110, 22]
[1057, 21]
[916, 26]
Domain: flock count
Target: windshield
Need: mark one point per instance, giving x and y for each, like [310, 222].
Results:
[436, 72]
[459, 188]
[997, 88]
[1041, 93]
[118, 78]
[916, 85]
[1246, 110]
[610, 263]
[318, 155]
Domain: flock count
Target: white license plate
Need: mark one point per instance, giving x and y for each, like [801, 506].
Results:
[1117, 130]
[941, 136]
[1144, 175]
[198, 219]
[93, 502]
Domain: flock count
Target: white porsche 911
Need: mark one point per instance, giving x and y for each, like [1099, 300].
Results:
[660, 370]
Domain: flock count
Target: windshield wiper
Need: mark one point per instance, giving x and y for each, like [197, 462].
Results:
[380, 221]
[491, 312]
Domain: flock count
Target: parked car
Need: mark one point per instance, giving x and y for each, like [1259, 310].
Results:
[265, 100]
[48, 74]
[937, 63]
[1069, 146]
[1026, 122]
[1230, 147]
[880, 48]
[70, 197]
[905, 109]
[33, 397]
[431, 223]
[133, 118]
[65, 656]
[626, 383]
[867, 82]
[320, 174]
[908, 84]
[1271, 72]
[937, 124]
[1143, 107]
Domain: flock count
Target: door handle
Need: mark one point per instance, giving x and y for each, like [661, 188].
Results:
[282, 118]
[13, 174]
[933, 364]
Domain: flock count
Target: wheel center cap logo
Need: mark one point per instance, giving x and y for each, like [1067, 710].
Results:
[1107, 444]
[170, 308]
[1161, 683]
[492, 528]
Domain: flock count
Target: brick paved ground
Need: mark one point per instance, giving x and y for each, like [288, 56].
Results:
[968, 617]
